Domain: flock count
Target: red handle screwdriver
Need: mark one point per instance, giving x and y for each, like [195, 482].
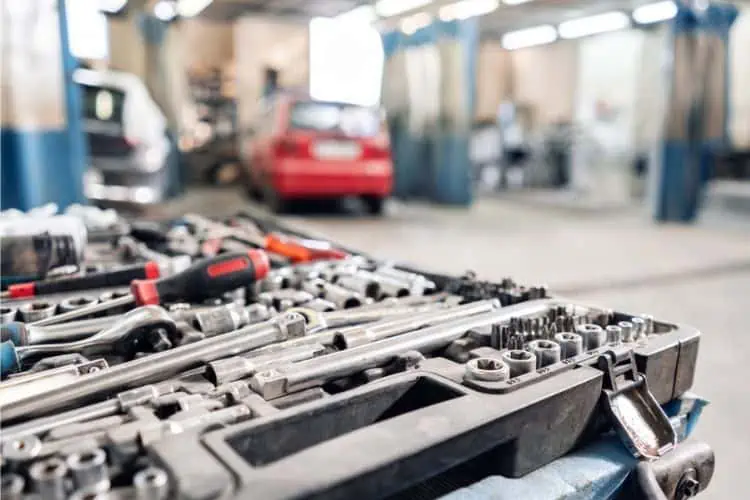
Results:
[117, 277]
[203, 280]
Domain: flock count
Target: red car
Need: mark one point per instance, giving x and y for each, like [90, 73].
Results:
[303, 148]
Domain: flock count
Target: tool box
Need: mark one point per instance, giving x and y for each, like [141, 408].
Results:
[257, 361]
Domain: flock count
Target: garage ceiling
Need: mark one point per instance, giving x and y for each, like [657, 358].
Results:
[506, 17]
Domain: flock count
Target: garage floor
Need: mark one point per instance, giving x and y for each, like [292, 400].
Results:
[699, 275]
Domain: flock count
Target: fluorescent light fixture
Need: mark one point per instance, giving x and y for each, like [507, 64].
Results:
[112, 6]
[467, 8]
[364, 14]
[515, 2]
[388, 8]
[411, 24]
[165, 10]
[600, 23]
[655, 12]
[529, 37]
[190, 8]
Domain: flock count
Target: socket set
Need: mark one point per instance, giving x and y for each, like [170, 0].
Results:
[240, 358]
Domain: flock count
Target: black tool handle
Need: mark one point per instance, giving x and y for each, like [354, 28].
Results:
[118, 277]
[207, 278]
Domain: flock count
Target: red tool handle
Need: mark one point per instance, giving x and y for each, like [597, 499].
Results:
[118, 277]
[205, 279]
[297, 251]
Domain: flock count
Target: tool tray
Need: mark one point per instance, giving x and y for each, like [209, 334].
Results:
[423, 426]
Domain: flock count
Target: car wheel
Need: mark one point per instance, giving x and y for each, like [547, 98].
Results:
[374, 205]
[252, 191]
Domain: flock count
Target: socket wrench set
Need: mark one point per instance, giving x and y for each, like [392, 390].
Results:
[203, 359]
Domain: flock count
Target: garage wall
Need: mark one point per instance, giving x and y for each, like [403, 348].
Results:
[739, 68]
[207, 44]
[493, 79]
[544, 77]
[260, 43]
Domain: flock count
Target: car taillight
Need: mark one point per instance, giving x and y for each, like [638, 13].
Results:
[378, 148]
[290, 147]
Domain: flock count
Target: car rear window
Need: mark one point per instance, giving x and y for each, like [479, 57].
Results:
[347, 119]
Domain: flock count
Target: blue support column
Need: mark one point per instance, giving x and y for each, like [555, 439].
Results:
[697, 110]
[41, 144]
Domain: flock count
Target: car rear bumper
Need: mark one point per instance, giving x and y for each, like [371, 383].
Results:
[135, 189]
[302, 178]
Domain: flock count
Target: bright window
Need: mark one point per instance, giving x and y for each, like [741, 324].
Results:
[346, 61]
[87, 29]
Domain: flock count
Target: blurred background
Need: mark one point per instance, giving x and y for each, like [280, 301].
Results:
[599, 146]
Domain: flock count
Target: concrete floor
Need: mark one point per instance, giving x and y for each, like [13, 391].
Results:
[698, 275]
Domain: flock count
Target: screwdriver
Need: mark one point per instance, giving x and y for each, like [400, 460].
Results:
[203, 280]
[116, 277]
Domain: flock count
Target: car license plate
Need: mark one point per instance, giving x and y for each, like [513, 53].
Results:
[337, 150]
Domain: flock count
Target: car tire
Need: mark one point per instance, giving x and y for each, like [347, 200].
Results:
[375, 205]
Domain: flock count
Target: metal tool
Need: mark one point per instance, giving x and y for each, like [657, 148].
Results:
[229, 317]
[73, 303]
[124, 337]
[628, 335]
[89, 469]
[12, 486]
[48, 478]
[158, 366]
[37, 311]
[547, 352]
[151, 483]
[487, 370]
[519, 361]
[227, 370]
[277, 382]
[7, 314]
[342, 297]
[593, 335]
[361, 335]
[205, 279]
[571, 344]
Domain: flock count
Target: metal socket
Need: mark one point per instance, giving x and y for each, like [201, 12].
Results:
[48, 478]
[628, 335]
[571, 344]
[649, 323]
[519, 362]
[151, 484]
[614, 334]
[107, 296]
[73, 303]
[362, 284]
[639, 327]
[7, 314]
[487, 370]
[12, 487]
[34, 311]
[593, 335]
[89, 469]
[546, 352]
[221, 319]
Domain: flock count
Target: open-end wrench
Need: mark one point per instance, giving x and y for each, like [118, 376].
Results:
[291, 378]
[157, 366]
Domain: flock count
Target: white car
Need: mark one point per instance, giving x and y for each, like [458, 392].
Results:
[132, 157]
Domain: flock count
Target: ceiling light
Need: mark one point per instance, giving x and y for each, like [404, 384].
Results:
[529, 37]
[592, 25]
[655, 12]
[165, 10]
[467, 8]
[112, 6]
[515, 2]
[387, 8]
[411, 24]
[190, 8]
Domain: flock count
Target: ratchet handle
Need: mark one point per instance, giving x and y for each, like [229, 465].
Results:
[117, 277]
[205, 279]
